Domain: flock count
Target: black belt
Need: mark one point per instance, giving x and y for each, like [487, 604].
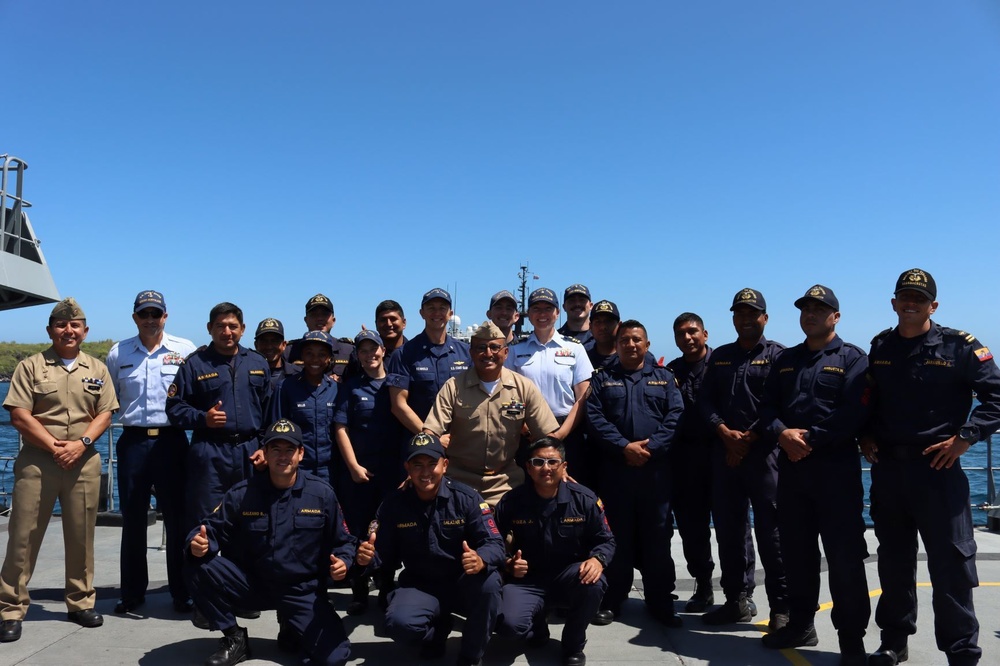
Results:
[222, 438]
[155, 431]
[902, 452]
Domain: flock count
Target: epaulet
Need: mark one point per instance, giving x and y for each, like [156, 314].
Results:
[258, 353]
[855, 347]
[581, 490]
[346, 341]
[570, 338]
[881, 335]
[199, 349]
[954, 332]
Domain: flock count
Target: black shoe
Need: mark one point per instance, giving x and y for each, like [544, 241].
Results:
[357, 606]
[539, 634]
[234, 647]
[852, 650]
[289, 640]
[434, 649]
[731, 612]
[183, 605]
[10, 631]
[853, 659]
[702, 599]
[128, 605]
[246, 613]
[887, 657]
[200, 621]
[790, 637]
[603, 618]
[467, 661]
[86, 618]
[666, 616]
[778, 620]
[575, 659]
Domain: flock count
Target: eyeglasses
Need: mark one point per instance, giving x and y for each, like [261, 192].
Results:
[545, 462]
[148, 314]
[493, 348]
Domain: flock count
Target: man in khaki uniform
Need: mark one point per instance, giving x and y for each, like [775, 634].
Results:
[59, 401]
[479, 415]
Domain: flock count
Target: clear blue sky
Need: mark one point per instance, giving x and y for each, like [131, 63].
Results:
[666, 154]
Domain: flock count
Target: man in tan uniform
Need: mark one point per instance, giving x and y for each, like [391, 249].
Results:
[59, 401]
[479, 415]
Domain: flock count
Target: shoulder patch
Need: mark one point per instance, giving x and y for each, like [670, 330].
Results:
[983, 354]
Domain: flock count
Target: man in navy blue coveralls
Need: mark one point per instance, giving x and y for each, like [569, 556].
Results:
[744, 464]
[444, 535]
[281, 535]
[816, 401]
[561, 544]
[220, 393]
[923, 378]
[632, 412]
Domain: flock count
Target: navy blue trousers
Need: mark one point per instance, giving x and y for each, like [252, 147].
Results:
[691, 467]
[217, 585]
[821, 496]
[734, 490]
[637, 506]
[143, 463]
[212, 469]
[909, 497]
[522, 607]
[418, 610]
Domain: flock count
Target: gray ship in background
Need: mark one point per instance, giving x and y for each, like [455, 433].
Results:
[25, 278]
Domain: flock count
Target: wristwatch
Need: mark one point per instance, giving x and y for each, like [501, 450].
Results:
[87, 442]
[969, 434]
[603, 560]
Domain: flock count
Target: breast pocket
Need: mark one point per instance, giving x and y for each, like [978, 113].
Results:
[167, 374]
[655, 398]
[308, 534]
[42, 389]
[828, 386]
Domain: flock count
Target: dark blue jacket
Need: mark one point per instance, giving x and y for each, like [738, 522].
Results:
[692, 427]
[363, 406]
[426, 537]
[824, 392]
[422, 369]
[342, 356]
[311, 408]
[922, 388]
[733, 385]
[281, 538]
[572, 528]
[242, 383]
[627, 406]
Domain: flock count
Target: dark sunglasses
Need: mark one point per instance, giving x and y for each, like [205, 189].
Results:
[149, 314]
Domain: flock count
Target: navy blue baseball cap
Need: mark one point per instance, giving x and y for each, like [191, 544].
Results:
[368, 335]
[436, 292]
[543, 295]
[606, 308]
[318, 336]
[918, 280]
[821, 294]
[283, 430]
[576, 289]
[425, 444]
[502, 295]
[319, 301]
[149, 299]
[750, 297]
[269, 325]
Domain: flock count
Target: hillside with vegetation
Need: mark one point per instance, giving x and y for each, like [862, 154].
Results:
[11, 353]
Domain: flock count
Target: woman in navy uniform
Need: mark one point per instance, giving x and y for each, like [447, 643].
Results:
[369, 446]
[308, 400]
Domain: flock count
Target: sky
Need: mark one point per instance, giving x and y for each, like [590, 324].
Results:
[666, 154]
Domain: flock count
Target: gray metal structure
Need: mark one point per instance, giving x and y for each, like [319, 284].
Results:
[25, 279]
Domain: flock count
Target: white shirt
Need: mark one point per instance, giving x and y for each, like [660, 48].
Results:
[556, 367]
[142, 378]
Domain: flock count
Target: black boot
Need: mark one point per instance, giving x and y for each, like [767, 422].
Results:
[234, 647]
[702, 598]
[731, 612]
[359, 596]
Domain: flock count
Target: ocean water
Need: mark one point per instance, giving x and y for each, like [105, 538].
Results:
[975, 458]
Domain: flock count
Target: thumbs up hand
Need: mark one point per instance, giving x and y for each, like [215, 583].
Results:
[338, 569]
[199, 543]
[518, 565]
[471, 562]
[366, 551]
[215, 417]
